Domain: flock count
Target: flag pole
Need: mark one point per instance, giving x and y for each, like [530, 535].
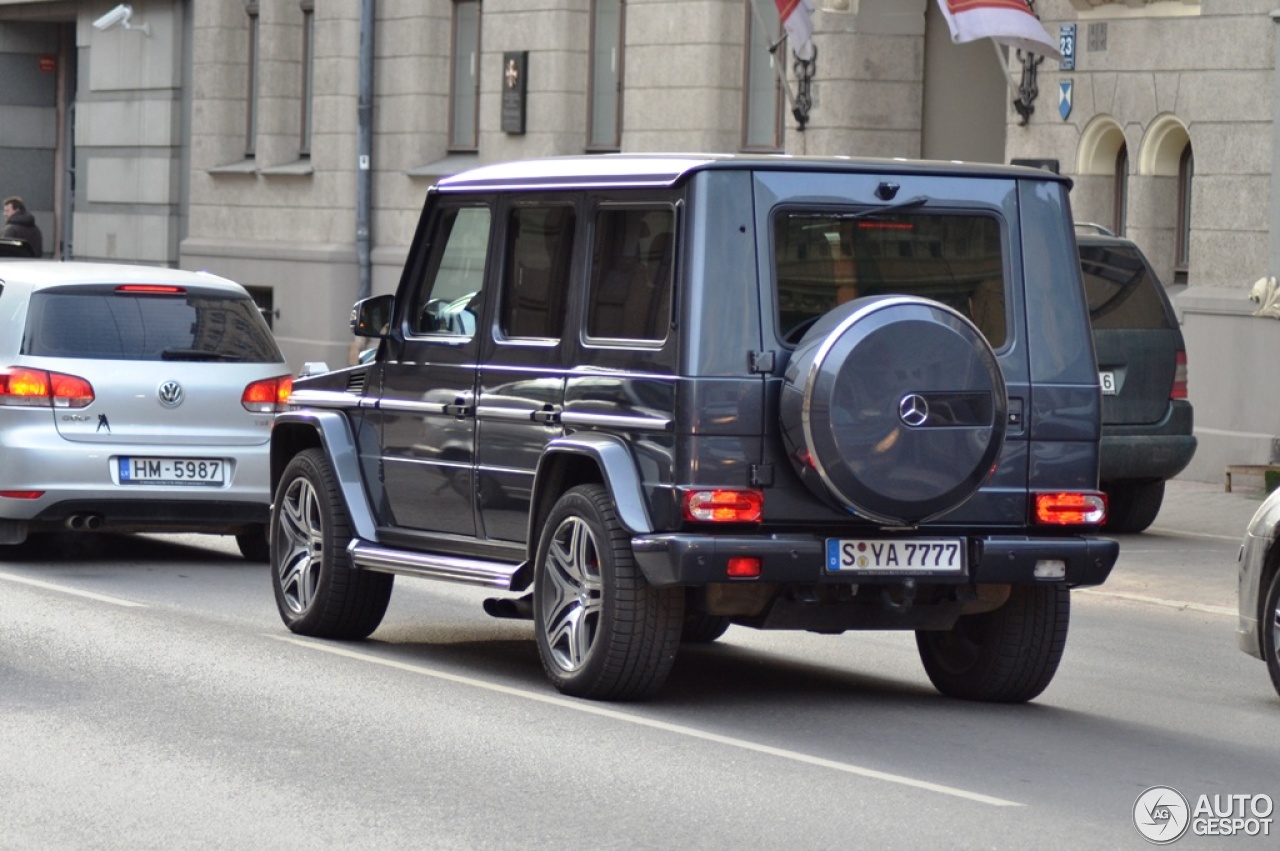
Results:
[779, 68]
[1004, 67]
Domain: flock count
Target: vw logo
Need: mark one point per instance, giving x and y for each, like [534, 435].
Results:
[913, 410]
[170, 394]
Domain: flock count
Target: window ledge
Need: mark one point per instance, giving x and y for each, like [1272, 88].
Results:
[450, 165]
[300, 168]
[247, 166]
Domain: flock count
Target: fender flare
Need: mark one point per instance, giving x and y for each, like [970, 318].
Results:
[616, 465]
[335, 438]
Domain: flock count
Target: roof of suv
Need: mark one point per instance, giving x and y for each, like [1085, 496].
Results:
[660, 170]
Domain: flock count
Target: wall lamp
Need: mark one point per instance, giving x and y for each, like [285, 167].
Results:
[119, 16]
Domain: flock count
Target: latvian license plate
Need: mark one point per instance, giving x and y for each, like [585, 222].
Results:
[172, 471]
[873, 556]
[1108, 382]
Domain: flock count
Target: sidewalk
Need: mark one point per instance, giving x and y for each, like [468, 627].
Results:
[1206, 509]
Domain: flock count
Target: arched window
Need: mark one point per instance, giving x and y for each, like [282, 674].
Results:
[1182, 254]
[1120, 207]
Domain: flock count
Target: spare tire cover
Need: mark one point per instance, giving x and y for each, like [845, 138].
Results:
[894, 407]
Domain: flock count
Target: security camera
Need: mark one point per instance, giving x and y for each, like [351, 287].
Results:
[119, 15]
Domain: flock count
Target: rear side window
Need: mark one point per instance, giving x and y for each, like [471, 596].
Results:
[825, 258]
[104, 324]
[631, 270]
[1121, 290]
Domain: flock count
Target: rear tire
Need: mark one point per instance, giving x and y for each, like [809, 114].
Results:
[254, 544]
[701, 628]
[1131, 508]
[1269, 624]
[603, 632]
[317, 590]
[1004, 656]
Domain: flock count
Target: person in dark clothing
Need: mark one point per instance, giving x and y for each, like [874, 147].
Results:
[20, 224]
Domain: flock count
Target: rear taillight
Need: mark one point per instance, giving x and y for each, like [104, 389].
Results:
[1070, 508]
[21, 386]
[723, 505]
[267, 396]
[1179, 390]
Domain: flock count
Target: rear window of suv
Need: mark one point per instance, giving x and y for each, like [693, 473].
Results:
[825, 258]
[104, 324]
[1121, 290]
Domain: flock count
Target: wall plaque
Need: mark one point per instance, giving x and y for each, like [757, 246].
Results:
[514, 65]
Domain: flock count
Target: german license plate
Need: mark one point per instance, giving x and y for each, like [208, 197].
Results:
[874, 556]
[1108, 382]
[172, 471]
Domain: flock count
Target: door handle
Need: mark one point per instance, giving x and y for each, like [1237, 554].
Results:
[460, 408]
[547, 415]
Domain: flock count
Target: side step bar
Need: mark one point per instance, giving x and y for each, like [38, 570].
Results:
[466, 571]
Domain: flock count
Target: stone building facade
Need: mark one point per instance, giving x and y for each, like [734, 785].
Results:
[228, 135]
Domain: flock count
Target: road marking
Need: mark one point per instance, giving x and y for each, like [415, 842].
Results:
[1160, 601]
[75, 592]
[678, 729]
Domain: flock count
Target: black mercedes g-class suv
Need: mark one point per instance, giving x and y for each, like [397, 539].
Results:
[664, 394]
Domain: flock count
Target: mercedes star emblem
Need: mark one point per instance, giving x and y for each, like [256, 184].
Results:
[913, 410]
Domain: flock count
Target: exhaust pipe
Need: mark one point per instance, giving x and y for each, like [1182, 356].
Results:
[84, 522]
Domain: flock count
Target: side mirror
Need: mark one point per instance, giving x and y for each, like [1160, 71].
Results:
[371, 317]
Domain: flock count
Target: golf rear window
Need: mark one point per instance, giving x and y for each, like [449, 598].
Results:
[103, 324]
[825, 258]
[1121, 289]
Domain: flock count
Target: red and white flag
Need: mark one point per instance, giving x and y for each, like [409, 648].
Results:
[1008, 22]
[797, 17]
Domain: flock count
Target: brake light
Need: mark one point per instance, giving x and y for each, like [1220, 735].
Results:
[1071, 508]
[22, 494]
[1179, 390]
[151, 289]
[267, 396]
[743, 567]
[36, 388]
[724, 506]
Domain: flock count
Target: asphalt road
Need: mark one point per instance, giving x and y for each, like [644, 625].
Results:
[150, 698]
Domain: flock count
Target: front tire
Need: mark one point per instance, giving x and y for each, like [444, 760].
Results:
[317, 590]
[1008, 655]
[603, 632]
[1269, 623]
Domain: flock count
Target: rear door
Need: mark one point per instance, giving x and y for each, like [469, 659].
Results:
[1135, 333]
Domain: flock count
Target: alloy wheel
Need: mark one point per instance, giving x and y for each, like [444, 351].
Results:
[301, 534]
[574, 594]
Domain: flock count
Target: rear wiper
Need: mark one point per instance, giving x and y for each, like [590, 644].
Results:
[908, 204]
[195, 355]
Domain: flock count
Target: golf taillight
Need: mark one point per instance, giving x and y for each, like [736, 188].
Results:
[723, 505]
[1070, 508]
[1179, 390]
[21, 386]
[267, 396]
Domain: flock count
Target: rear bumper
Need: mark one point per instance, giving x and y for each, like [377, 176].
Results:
[1159, 450]
[688, 559]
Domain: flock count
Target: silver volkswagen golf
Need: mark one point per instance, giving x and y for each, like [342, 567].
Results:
[134, 399]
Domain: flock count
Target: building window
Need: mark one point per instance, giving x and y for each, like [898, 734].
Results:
[605, 108]
[762, 125]
[308, 73]
[464, 93]
[1186, 172]
[1120, 214]
[251, 116]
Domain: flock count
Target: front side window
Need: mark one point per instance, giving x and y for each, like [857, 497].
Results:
[464, 93]
[824, 258]
[539, 252]
[631, 274]
[448, 302]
